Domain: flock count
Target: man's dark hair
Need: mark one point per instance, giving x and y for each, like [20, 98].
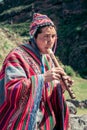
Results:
[39, 30]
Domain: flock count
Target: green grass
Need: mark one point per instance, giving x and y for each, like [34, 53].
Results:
[15, 9]
[20, 29]
[81, 111]
[80, 89]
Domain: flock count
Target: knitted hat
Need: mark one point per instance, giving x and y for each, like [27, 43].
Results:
[39, 20]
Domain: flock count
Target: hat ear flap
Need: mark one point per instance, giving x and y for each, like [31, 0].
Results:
[55, 45]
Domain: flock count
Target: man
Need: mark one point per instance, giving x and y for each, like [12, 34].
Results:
[31, 94]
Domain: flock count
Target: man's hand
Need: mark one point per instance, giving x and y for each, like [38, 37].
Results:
[53, 74]
[58, 74]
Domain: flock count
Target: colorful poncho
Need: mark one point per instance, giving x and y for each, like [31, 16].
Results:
[26, 103]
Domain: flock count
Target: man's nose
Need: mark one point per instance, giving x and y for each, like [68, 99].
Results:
[50, 38]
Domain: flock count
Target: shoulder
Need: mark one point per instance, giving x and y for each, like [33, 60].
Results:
[14, 55]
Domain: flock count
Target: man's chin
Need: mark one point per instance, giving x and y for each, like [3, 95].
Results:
[45, 51]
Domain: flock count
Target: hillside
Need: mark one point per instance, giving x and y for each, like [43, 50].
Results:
[8, 40]
[70, 17]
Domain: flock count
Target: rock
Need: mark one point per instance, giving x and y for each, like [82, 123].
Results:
[81, 104]
[84, 119]
[78, 122]
[72, 108]
[75, 102]
[85, 128]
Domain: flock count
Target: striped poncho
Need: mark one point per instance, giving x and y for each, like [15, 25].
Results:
[26, 103]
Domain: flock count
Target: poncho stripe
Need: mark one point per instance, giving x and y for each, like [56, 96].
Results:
[23, 92]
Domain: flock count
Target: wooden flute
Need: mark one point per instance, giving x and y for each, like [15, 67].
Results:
[68, 88]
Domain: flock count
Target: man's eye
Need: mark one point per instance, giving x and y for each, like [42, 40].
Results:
[48, 36]
[45, 37]
[53, 36]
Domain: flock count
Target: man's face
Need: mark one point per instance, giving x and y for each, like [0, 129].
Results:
[46, 39]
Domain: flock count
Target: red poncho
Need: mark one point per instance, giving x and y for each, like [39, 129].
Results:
[26, 102]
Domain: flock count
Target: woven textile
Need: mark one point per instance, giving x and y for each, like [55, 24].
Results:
[26, 93]
[39, 20]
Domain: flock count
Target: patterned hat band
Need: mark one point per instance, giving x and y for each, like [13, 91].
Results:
[39, 20]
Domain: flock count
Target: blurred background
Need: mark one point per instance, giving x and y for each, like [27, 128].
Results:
[70, 18]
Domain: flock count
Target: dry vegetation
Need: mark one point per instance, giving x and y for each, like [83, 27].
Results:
[8, 40]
